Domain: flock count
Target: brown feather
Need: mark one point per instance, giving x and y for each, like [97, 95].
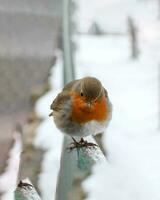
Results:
[62, 97]
[91, 88]
[59, 101]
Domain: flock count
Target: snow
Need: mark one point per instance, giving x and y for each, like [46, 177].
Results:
[49, 138]
[8, 179]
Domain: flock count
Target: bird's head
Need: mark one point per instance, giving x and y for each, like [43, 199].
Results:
[89, 90]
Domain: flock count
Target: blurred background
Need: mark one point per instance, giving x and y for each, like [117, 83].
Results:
[117, 41]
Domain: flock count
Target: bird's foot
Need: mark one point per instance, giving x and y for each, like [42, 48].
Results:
[80, 144]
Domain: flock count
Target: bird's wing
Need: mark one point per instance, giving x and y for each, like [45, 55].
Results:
[59, 101]
[62, 97]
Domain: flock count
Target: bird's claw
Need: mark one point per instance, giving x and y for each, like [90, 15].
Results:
[82, 143]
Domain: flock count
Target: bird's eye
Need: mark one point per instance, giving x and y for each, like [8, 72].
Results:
[81, 94]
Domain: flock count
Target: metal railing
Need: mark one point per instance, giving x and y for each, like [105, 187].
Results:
[26, 191]
[76, 164]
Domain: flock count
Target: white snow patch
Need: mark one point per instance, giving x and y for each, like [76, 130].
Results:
[8, 180]
[48, 137]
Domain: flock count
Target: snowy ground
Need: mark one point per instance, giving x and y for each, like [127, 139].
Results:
[133, 137]
[8, 179]
[49, 137]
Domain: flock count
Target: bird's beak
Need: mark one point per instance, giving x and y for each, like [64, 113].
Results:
[89, 104]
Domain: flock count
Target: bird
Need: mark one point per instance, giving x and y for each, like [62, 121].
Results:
[81, 109]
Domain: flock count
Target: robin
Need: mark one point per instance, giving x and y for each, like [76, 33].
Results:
[82, 108]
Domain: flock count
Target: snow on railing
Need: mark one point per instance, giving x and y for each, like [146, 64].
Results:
[26, 191]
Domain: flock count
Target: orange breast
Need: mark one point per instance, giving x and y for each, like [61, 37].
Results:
[82, 114]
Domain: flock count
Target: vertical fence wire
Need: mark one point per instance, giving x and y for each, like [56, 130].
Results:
[68, 72]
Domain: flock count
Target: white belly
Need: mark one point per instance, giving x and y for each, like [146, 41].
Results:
[67, 126]
[93, 127]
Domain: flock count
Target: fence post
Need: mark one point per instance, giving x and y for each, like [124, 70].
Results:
[68, 72]
[26, 191]
[133, 38]
[76, 164]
